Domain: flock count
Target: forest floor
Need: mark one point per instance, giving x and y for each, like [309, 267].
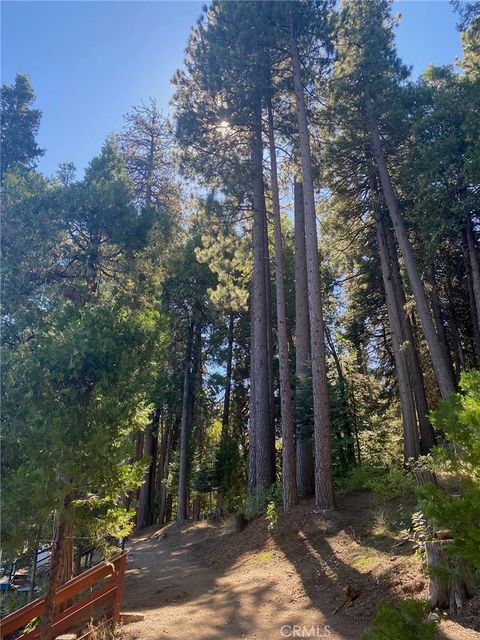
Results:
[207, 582]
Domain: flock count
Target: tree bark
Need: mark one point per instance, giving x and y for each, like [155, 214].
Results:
[147, 490]
[458, 355]
[474, 267]
[445, 382]
[440, 320]
[263, 445]
[473, 308]
[252, 445]
[185, 428]
[61, 570]
[411, 445]
[270, 348]
[427, 434]
[228, 377]
[163, 486]
[451, 582]
[324, 492]
[304, 439]
[288, 447]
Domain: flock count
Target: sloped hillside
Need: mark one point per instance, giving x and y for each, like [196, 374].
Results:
[208, 582]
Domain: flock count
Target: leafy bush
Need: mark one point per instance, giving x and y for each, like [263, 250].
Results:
[459, 419]
[404, 621]
[386, 482]
[271, 514]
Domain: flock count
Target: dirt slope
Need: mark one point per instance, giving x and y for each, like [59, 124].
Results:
[208, 583]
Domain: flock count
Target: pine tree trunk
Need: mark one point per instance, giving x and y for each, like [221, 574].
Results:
[288, 447]
[185, 429]
[473, 309]
[270, 348]
[324, 492]
[163, 427]
[304, 440]
[411, 445]
[445, 382]
[263, 445]
[474, 266]
[440, 320]
[427, 435]
[163, 486]
[147, 490]
[252, 446]
[152, 480]
[228, 378]
[453, 323]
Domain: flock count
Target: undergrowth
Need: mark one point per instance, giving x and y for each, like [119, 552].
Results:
[386, 482]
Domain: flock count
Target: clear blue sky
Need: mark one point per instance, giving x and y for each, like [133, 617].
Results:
[91, 61]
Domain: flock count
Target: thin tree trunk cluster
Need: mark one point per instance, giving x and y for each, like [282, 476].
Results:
[302, 470]
[191, 368]
[440, 365]
[324, 493]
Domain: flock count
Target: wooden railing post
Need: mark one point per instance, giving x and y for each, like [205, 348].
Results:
[119, 580]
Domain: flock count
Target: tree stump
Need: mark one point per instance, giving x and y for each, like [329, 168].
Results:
[424, 476]
[239, 522]
[451, 582]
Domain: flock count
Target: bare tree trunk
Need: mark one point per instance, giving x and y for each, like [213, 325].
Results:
[163, 486]
[411, 445]
[264, 453]
[147, 490]
[324, 492]
[427, 435]
[228, 377]
[270, 349]
[474, 267]
[458, 356]
[304, 440]
[440, 320]
[61, 570]
[163, 427]
[288, 447]
[445, 382]
[185, 429]
[252, 445]
[473, 308]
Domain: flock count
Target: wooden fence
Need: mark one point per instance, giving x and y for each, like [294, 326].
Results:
[93, 595]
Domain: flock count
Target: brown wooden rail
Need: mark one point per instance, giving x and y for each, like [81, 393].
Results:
[97, 593]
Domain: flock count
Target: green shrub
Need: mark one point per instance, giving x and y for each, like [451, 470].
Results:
[404, 621]
[257, 505]
[234, 503]
[271, 514]
[386, 482]
[459, 419]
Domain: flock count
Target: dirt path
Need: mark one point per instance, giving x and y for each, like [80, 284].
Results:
[207, 583]
[182, 599]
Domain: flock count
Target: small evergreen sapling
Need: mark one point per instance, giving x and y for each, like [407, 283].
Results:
[459, 419]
